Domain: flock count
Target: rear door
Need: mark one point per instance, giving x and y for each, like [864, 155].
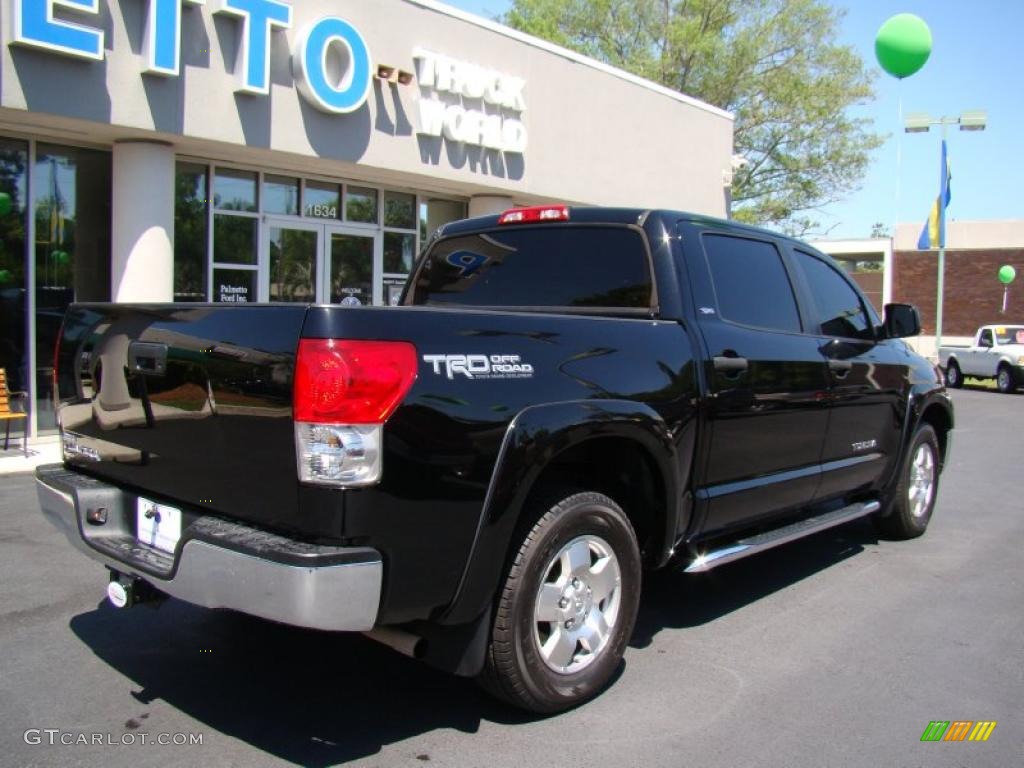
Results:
[869, 380]
[767, 380]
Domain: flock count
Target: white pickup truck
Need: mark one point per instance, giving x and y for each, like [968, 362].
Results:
[997, 353]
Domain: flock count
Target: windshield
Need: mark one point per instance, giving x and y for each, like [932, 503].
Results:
[1011, 334]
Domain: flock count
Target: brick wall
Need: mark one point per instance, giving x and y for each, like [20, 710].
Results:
[871, 284]
[973, 294]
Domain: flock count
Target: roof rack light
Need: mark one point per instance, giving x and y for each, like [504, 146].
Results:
[534, 214]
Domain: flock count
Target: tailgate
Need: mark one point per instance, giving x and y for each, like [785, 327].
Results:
[187, 404]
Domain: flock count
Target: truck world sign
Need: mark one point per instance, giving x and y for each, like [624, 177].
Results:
[495, 126]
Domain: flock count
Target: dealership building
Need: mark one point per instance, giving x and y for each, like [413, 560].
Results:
[263, 150]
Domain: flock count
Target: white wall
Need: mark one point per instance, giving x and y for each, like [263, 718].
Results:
[595, 136]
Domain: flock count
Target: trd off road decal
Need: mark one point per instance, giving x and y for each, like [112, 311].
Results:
[480, 366]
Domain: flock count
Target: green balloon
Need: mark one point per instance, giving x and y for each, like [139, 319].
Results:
[5, 276]
[903, 44]
[1006, 274]
[61, 257]
[5, 203]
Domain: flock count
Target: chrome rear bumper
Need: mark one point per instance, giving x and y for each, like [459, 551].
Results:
[220, 564]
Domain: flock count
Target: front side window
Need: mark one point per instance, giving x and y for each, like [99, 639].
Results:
[751, 283]
[545, 266]
[840, 310]
[986, 338]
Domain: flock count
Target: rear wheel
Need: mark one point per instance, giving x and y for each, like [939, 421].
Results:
[919, 483]
[1005, 380]
[954, 379]
[567, 607]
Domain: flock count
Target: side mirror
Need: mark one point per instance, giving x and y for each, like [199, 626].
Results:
[901, 320]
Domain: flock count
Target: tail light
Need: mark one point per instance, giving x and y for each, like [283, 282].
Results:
[344, 392]
[535, 214]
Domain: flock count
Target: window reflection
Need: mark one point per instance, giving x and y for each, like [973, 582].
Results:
[13, 176]
[72, 250]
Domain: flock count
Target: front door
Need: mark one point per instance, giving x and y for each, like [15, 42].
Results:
[313, 263]
[293, 262]
[869, 388]
[352, 267]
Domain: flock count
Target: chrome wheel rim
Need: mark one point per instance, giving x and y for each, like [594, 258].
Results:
[577, 604]
[952, 374]
[1004, 379]
[922, 480]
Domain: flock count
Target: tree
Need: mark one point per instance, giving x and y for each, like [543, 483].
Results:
[775, 64]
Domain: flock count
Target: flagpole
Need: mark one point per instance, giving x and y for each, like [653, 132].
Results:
[942, 247]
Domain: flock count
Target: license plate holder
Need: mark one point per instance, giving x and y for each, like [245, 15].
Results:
[157, 525]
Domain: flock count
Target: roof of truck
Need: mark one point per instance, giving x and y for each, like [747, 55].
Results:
[600, 215]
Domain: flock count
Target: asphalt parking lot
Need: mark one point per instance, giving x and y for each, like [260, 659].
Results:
[837, 650]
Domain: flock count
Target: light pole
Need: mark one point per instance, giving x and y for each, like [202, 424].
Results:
[921, 122]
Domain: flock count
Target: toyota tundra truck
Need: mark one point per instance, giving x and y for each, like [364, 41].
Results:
[564, 399]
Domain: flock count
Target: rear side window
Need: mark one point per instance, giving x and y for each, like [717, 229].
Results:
[751, 283]
[840, 310]
[546, 266]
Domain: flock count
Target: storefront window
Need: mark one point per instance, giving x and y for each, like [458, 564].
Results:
[322, 200]
[71, 196]
[399, 210]
[13, 175]
[281, 195]
[234, 286]
[435, 213]
[399, 252]
[234, 239]
[235, 190]
[361, 205]
[190, 232]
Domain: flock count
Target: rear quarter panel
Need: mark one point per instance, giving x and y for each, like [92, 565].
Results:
[441, 446]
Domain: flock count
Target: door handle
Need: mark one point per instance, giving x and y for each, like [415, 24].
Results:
[731, 365]
[841, 368]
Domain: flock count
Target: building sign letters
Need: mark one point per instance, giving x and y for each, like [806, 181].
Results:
[487, 111]
[465, 121]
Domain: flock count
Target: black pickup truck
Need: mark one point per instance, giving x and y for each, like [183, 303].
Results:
[565, 398]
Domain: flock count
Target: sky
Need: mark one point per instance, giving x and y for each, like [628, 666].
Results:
[977, 62]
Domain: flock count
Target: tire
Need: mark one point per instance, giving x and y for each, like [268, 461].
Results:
[1006, 381]
[562, 570]
[912, 508]
[954, 379]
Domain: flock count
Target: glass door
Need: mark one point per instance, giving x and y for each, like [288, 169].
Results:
[352, 266]
[293, 261]
[313, 263]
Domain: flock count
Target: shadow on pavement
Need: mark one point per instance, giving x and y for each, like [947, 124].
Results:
[675, 600]
[320, 699]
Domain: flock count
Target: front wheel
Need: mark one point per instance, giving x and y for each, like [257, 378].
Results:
[567, 607]
[915, 497]
[1006, 382]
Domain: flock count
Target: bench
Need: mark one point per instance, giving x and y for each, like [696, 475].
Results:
[7, 415]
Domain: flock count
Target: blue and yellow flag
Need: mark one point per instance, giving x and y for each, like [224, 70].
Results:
[934, 233]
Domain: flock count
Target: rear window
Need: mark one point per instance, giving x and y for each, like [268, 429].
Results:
[546, 266]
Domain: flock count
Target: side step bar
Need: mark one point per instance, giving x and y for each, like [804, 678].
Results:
[762, 541]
